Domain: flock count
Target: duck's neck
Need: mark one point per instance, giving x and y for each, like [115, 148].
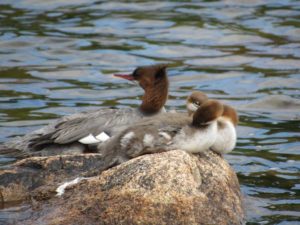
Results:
[154, 98]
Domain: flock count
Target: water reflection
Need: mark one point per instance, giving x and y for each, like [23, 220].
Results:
[57, 58]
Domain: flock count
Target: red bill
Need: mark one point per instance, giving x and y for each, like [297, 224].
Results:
[125, 76]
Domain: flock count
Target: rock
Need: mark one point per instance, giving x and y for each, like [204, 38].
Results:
[166, 188]
[18, 181]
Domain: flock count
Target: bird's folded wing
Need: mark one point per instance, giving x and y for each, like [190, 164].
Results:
[75, 128]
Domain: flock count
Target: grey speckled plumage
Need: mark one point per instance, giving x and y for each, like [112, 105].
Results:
[109, 121]
[168, 131]
[62, 134]
[170, 123]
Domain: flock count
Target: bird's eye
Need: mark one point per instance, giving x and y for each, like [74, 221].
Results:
[135, 73]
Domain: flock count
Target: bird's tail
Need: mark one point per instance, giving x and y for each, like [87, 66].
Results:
[9, 152]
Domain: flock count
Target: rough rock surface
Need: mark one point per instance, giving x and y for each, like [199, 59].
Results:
[19, 180]
[166, 188]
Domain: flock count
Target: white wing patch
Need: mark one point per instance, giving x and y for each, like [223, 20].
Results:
[126, 139]
[148, 140]
[102, 137]
[165, 135]
[91, 139]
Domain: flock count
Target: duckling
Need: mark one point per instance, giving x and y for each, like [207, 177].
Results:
[226, 138]
[165, 132]
[194, 101]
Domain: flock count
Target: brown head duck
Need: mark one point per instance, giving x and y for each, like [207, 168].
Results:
[74, 133]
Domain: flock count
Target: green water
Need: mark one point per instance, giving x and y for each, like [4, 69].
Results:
[58, 57]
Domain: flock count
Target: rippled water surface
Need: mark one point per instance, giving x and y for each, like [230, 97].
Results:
[57, 57]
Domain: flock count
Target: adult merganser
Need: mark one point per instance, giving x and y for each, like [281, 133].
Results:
[226, 139]
[74, 133]
[168, 131]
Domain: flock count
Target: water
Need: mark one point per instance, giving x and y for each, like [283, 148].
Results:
[57, 57]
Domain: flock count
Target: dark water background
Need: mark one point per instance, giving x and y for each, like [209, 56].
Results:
[57, 57]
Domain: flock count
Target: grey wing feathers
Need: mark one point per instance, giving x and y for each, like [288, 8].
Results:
[6, 151]
[70, 130]
[171, 130]
[162, 138]
[147, 136]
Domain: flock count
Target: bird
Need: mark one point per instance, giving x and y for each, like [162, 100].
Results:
[164, 132]
[227, 137]
[194, 100]
[227, 123]
[77, 132]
